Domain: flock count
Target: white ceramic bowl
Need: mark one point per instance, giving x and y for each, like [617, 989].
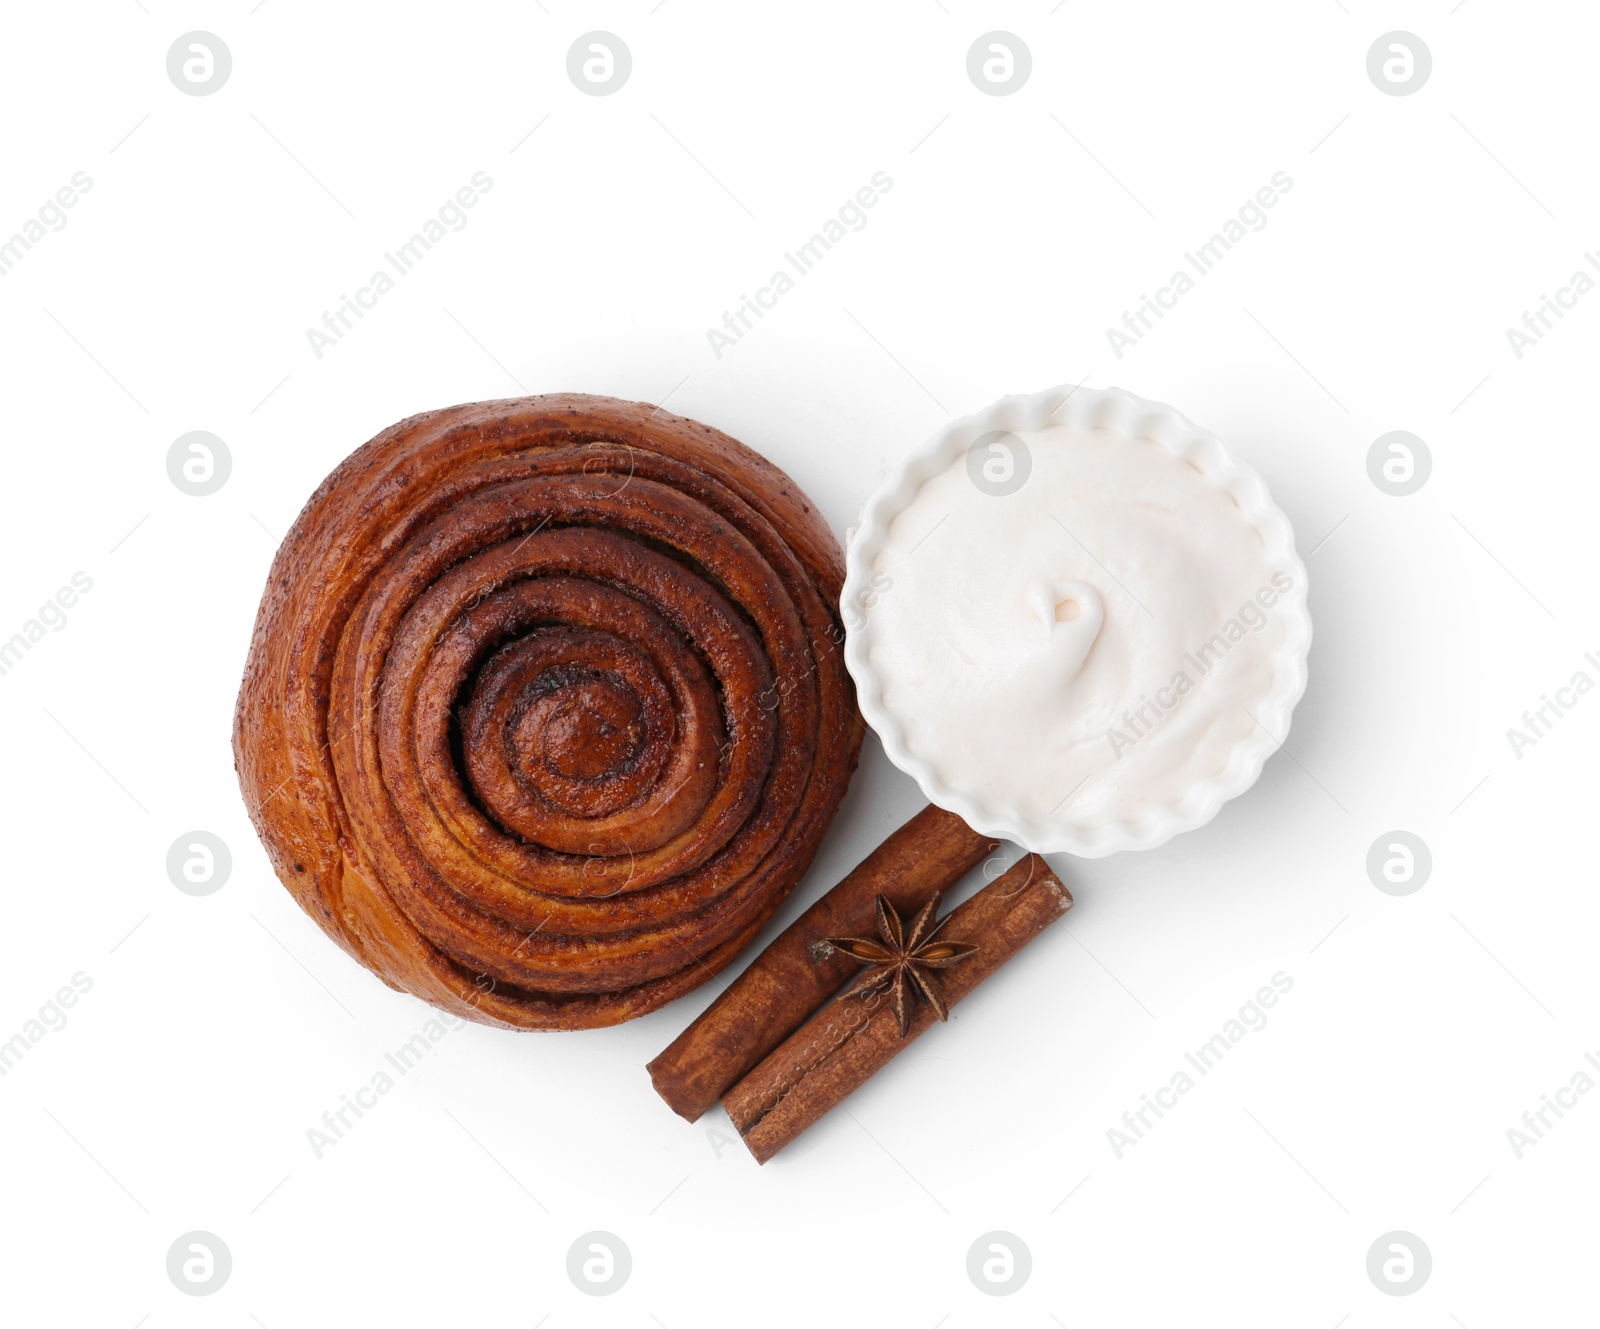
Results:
[1123, 413]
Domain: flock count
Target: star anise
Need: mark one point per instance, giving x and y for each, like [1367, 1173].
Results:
[903, 961]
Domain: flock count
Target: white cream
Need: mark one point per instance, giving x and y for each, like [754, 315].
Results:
[1083, 650]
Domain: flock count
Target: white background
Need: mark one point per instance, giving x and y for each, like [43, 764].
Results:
[219, 1029]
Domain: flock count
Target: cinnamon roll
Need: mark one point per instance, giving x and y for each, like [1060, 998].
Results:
[545, 712]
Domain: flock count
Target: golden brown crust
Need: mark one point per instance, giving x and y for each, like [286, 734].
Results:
[545, 713]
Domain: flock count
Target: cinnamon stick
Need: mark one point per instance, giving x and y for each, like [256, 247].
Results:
[832, 1056]
[800, 971]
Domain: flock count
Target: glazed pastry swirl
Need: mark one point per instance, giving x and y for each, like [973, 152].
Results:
[545, 713]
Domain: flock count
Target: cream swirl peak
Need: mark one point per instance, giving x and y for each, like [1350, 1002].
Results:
[1078, 627]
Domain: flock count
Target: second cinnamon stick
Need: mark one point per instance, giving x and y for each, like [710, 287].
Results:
[821, 1064]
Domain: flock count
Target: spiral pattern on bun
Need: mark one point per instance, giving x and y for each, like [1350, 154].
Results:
[545, 713]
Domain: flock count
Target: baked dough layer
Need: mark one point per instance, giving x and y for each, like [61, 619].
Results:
[545, 711]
